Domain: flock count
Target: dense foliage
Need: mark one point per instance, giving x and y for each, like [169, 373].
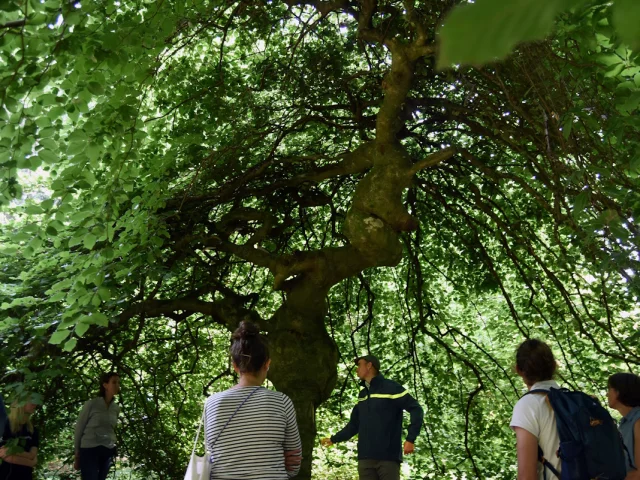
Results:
[334, 172]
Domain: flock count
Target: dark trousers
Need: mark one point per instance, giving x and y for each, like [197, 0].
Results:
[95, 462]
[378, 470]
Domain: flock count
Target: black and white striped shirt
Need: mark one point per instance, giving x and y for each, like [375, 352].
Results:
[252, 446]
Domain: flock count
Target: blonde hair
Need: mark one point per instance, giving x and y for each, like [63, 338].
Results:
[18, 417]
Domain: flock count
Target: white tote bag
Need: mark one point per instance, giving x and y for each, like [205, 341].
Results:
[199, 467]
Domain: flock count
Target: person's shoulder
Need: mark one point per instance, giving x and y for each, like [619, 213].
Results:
[530, 401]
[392, 386]
[274, 395]
[217, 396]
[636, 419]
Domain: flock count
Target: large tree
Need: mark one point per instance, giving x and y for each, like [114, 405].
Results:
[211, 162]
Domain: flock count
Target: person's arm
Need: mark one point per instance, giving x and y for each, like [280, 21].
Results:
[635, 474]
[81, 424]
[527, 450]
[350, 429]
[292, 442]
[26, 459]
[411, 405]
[30, 455]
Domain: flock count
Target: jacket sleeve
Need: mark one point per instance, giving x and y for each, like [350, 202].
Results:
[412, 406]
[350, 428]
[83, 419]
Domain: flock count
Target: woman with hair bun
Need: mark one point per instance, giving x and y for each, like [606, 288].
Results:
[624, 396]
[95, 435]
[251, 432]
[533, 419]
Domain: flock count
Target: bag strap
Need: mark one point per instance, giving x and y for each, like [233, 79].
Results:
[545, 464]
[198, 431]
[195, 443]
[234, 414]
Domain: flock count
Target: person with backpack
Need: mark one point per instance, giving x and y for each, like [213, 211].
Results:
[623, 395]
[558, 430]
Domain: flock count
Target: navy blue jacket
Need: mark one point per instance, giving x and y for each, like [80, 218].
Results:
[377, 419]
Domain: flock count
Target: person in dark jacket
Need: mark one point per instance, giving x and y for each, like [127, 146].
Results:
[3, 415]
[377, 420]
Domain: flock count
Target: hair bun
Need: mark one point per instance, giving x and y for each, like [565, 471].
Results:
[246, 330]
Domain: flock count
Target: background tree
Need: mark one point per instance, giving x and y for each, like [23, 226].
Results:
[305, 165]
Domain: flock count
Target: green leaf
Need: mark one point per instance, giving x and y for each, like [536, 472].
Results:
[99, 319]
[33, 210]
[81, 328]
[104, 293]
[582, 200]
[488, 30]
[51, 231]
[59, 336]
[73, 18]
[12, 104]
[47, 156]
[95, 88]
[9, 250]
[70, 345]
[57, 297]
[626, 19]
[89, 241]
[47, 132]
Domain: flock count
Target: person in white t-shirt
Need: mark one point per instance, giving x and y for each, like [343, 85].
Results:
[533, 420]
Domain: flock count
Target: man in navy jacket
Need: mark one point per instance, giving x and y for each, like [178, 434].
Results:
[377, 420]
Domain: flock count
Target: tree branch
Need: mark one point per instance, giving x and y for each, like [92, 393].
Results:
[432, 160]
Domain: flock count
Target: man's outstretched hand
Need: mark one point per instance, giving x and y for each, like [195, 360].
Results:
[326, 442]
[408, 448]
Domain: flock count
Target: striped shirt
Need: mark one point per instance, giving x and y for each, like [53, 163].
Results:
[252, 445]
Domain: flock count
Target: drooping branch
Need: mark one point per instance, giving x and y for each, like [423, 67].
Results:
[226, 312]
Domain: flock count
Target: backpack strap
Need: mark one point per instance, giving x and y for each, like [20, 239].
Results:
[545, 463]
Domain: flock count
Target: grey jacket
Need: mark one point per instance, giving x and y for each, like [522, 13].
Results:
[96, 424]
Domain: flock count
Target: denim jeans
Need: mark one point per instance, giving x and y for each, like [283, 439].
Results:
[95, 462]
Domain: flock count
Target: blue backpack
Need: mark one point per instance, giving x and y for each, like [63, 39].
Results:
[590, 445]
